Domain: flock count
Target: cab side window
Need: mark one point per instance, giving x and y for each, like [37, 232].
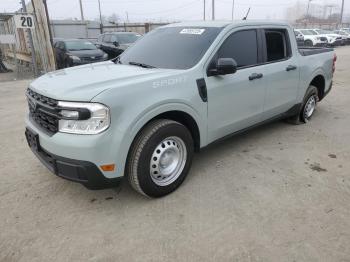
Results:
[100, 38]
[277, 45]
[107, 39]
[113, 38]
[242, 46]
[61, 45]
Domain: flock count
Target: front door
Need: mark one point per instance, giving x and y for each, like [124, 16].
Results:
[236, 101]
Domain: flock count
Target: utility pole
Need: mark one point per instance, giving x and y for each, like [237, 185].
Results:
[308, 9]
[212, 9]
[127, 16]
[43, 34]
[101, 23]
[233, 9]
[204, 10]
[31, 44]
[81, 10]
[341, 13]
[48, 21]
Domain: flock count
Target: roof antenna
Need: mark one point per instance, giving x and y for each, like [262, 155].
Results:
[245, 18]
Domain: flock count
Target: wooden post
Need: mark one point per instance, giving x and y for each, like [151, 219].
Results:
[147, 26]
[43, 34]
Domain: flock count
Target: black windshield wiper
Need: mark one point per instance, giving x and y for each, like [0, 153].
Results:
[141, 64]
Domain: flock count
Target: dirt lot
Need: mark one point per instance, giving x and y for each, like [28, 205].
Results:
[277, 193]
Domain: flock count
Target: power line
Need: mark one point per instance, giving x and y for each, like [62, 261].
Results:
[255, 5]
[168, 10]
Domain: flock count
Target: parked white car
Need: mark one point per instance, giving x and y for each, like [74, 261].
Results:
[311, 38]
[345, 35]
[333, 39]
[346, 30]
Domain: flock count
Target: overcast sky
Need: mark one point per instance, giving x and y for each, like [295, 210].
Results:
[168, 10]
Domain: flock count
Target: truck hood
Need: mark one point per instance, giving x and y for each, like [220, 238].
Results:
[83, 83]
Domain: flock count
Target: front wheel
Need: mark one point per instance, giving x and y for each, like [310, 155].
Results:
[160, 158]
[308, 43]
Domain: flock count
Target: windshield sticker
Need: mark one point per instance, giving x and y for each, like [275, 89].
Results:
[192, 31]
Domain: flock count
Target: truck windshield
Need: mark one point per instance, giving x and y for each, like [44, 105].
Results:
[127, 38]
[171, 47]
[75, 45]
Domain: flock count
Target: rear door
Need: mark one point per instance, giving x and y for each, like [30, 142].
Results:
[235, 101]
[282, 72]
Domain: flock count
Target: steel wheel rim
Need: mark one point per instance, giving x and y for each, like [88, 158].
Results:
[168, 161]
[310, 107]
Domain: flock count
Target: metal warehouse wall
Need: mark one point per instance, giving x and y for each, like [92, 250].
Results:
[91, 29]
[69, 29]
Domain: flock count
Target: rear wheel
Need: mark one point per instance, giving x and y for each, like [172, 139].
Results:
[160, 158]
[66, 64]
[308, 107]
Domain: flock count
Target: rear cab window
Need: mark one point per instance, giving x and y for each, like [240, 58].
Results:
[277, 45]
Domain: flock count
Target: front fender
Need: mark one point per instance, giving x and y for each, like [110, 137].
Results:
[125, 138]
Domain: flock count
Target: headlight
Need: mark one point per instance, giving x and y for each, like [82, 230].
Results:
[83, 118]
[318, 38]
[74, 58]
[105, 56]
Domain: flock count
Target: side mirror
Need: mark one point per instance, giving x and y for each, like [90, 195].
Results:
[115, 43]
[224, 66]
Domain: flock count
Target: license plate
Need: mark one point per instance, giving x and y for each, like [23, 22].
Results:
[32, 139]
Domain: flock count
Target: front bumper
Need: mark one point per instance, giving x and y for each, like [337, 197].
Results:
[335, 43]
[321, 44]
[83, 172]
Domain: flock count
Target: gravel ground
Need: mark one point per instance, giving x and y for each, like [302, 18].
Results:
[277, 193]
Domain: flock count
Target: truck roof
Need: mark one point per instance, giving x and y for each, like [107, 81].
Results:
[224, 23]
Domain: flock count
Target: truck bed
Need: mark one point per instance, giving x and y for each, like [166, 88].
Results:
[306, 51]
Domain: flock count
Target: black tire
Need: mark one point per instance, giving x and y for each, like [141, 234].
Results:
[302, 117]
[66, 64]
[308, 43]
[138, 167]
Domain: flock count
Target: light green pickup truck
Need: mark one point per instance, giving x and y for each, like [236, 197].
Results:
[176, 90]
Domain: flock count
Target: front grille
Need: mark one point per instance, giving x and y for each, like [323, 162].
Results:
[43, 99]
[91, 58]
[338, 38]
[323, 38]
[43, 111]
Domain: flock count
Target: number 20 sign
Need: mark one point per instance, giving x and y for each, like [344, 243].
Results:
[24, 21]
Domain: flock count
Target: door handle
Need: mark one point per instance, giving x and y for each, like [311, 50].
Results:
[290, 68]
[255, 76]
